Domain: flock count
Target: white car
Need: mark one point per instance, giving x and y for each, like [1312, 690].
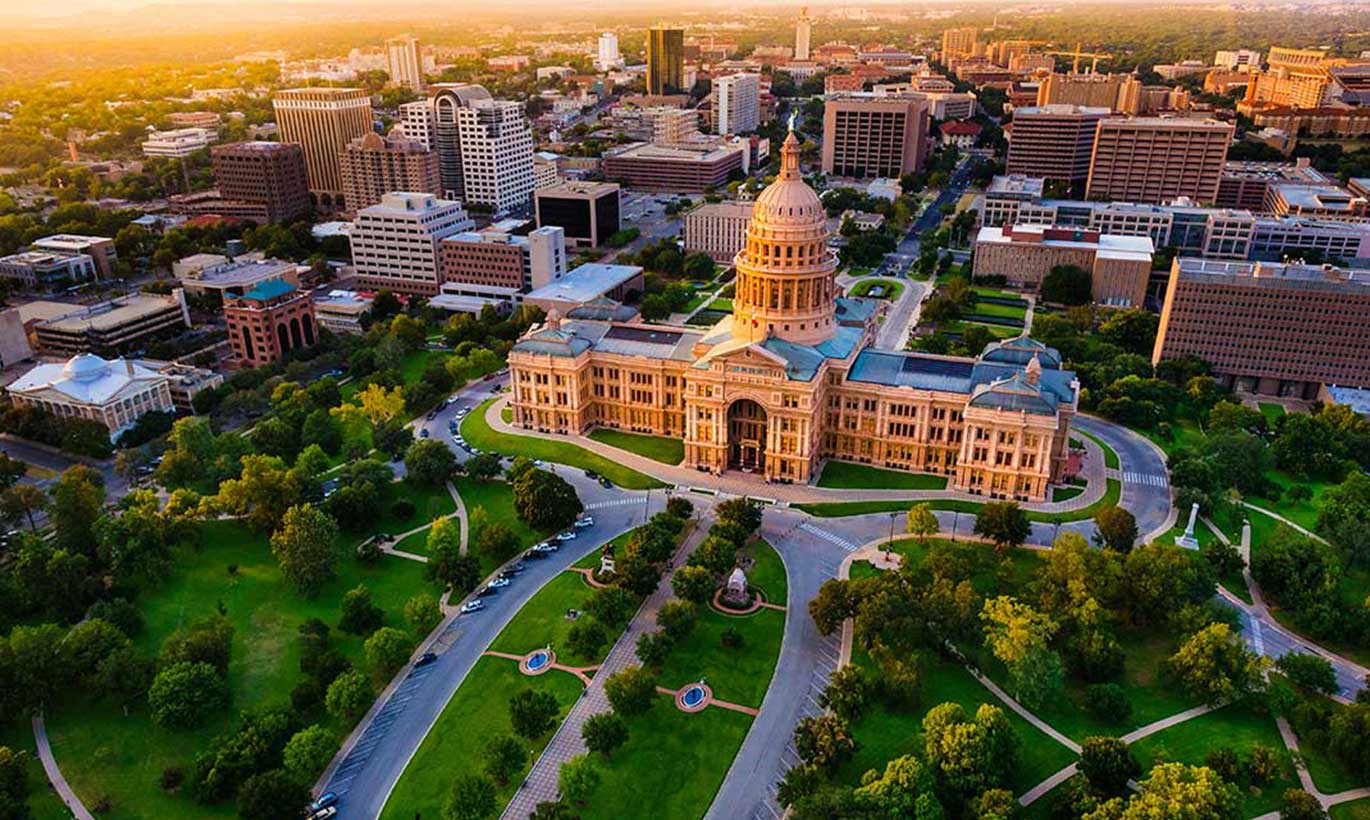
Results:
[566, 536]
[546, 546]
[472, 606]
[587, 521]
[499, 583]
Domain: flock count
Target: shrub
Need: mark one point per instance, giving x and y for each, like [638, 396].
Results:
[1106, 701]
[402, 508]
[731, 638]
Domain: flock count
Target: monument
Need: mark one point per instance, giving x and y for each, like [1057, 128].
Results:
[738, 592]
[1188, 541]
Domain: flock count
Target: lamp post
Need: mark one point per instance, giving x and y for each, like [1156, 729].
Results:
[891, 539]
[955, 519]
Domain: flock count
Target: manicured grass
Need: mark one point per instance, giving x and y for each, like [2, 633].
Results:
[105, 753]
[997, 331]
[455, 744]
[1003, 311]
[838, 509]
[671, 766]
[1238, 727]
[429, 502]
[411, 369]
[721, 304]
[542, 621]
[1305, 512]
[893, 288]
[507, 415]
[739, 675]
[1065, 493]
[43, 803]
[497, 499]
[849, 476]
[477, 431]
[1111, 461]
[768, 572]
[1354, 810]
[657, 448]
[1271, 411]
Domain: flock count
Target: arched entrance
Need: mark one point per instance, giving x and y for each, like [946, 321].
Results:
[746, 436]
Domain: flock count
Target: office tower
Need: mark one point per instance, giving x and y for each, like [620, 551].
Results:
[446, 100]
[1268, 327]
[395, 243]
[270, 320]
[716, 228]
[958, 42]
[1092, 90]
[495, 264]
[802, 32]
[866, 136]
[737, 103]
[1153, 159]
[1055, 142]
[404, 62]
[373, 166]
[608, 52]
[496, 154]
[587, 211]
[416, 122]
[322, 121]
[271, 174]
[666, 61]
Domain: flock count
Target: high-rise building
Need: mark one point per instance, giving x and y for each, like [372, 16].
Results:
[271, 174]
[1092, 90]
[716, 228]
[609, 58]
[666, 61]
[446, 100]
[802, 33]
[373, 166]
[737, 103]
[269, 321]
[1268, 327]
[588, 212]
[868, 136]
[959, 42]
[322, 121]
[1154, 159]
[404, 62]
[395, 243]
[416, 121]
[496, 155]
[1055, 142]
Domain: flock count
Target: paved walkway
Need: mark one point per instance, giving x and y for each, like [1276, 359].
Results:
[59, 783]
[460, 514]
[541, 783]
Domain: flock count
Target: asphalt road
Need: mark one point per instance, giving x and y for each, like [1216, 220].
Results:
[1146, 483]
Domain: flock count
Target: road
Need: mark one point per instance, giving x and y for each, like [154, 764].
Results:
[1146, 482]
[894, 332]
[911, 245]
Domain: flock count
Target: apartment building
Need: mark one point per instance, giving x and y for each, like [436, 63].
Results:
[869, 136]
[1054, 142]
[323, 121]
[404, 62]
[588, 212]
[496, 155]
[271, 175]
[1025, 254]
[737, 103]
[717, 228]
[960, 42]
[373, 166]
[395, 242]
[1154, 159]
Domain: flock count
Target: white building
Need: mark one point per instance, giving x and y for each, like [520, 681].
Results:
[404, 62]
[395, 243]
[114, 393]
[718, 229]
[496, 155]
[416, 121]
[34, 270]
[342, 311]
[802, 33]
[179, 143]
[609, 58]
[1232, 60]
[546, 170]
[737, 103]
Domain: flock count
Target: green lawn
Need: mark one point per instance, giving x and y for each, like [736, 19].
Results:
[1059, 494]
[997, 331]
[43, 803]
[497, 499]
[478, 433]
[1305, 512]
[1238, 727]
[104, 753]
[429, 502]
[722, 304]
[1111, 461]
[657, 448]
[507, 415]
[838, 509]
[542, 621]
[768, 572]
[739, 675]
[671, 766]
[1271, 411]
[1354, 810]
[455, 744]
[1002, 311]
[893, 288]
[411, 369]
[849, 476]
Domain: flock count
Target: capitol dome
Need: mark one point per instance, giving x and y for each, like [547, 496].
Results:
[85, 367]
[789, 201]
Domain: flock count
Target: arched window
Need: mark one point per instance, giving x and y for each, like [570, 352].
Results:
[247, 342]
[308, 329]
[295, 333]
[283, 336]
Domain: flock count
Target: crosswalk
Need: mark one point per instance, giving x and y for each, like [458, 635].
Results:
[1145, 478]
[831, 538]
[617, 502]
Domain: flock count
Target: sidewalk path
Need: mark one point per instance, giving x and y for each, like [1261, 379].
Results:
[59, 783]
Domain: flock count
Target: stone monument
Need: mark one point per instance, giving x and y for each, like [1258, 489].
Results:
[1188, 541]
[738, 592]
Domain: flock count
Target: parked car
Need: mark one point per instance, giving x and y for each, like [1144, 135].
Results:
[324, 801]
[591, 474]
[423, 433]
[500, 583]
[563, 537]
[587, 521]
[604, 482]
[534, 555]
[472, 606]
[425, 659]
[325, 813]
[515, 568]
[547, 546]
[487, 590]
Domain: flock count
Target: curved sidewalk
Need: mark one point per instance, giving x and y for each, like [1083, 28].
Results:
[59, 783]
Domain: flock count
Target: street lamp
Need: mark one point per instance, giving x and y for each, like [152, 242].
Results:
[955, 519]
[891, 540]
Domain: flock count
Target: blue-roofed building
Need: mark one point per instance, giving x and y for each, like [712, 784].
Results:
[268, 321]
[790, 379]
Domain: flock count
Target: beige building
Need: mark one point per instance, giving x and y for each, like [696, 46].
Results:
[1112, 91]
[1025, 254]
[790, 380]
[373, 166]
[404, 62]
[869, 136]
[118, 325]
[959, 42]
[323, 121]
[717, 228]
[395, 243]
[1155, 159]
[1054, 142]
[113, 393]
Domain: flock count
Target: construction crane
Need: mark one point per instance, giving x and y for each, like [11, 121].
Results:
[1077, 54]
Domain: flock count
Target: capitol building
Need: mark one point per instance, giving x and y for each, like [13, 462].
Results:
[792, 378]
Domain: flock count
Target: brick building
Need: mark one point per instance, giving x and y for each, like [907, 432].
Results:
[269, 321]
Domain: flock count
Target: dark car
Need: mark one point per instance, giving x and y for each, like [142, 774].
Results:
[534, 555]
[591, 474]
[325, 800]
[425, 659]
[515, 568]
[604, 482]
[486, 591]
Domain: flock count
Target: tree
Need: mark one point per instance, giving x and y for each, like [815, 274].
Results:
[184, 695]
[585, 637]
[1133, 329]
[14, 785]
[78, 499]
[262, 796]
[386, 651]
[1216, 665]
[349, 695]
[631, 691]
[604, 732]
[831, 606]
[262, 494]
[969, 754]
[305, 546]
[1108, 764]
[359, 615]
[693, 583]
[1297, 804]
[532, 713]
[824, 741]
[847, 693]
[1117, 528]
[1344, 516]
[429, 461]
[21, 502]
[906, 788]
[653, 648]
[1004, 523]
[88, 643]
[484, 466]
[743, 512]
[422, 612]
[996, 804]
[1107, 701]
[545, 501]
[1203, 794]
[1159, 579]
[922, 523]
[577, 779]
[309, 752]
[504, 758]
[1308, 672]
[472, 798]
[1020, 636]
[1068, 285]
[677, 618]
[206, 641]
[612, 605]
